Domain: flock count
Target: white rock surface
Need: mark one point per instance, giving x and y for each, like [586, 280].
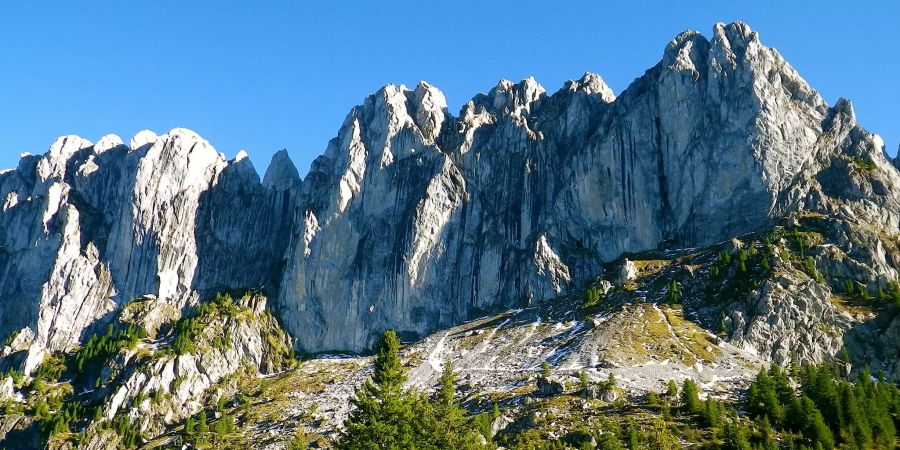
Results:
[86, 228]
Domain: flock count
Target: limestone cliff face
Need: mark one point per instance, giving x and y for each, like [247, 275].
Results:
[417, 219]
[88, 227]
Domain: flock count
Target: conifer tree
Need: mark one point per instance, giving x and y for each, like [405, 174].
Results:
[382, 417]
[583, 381]
[387, 416]
[671, 390]
[202, 425]
[189, 426]
[690, 396]
[447, 390]
[609, 441]
[736, 436]
[545, 369]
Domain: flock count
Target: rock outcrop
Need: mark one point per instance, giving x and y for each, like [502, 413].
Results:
[417, 219]
[88, 227]
[241, 339]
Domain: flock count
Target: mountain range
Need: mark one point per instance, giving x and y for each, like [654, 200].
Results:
[590, 213]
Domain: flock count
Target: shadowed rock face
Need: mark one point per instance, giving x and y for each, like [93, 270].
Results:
[416, 219]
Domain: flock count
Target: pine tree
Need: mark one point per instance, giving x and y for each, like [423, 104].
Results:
[387, 416]
[742, 261]
[382, 410]
[447, 392]
[712, 412]
[189, 426]
[633, 438]
[736, 436]
[672, 390]
[767, 434]
[202, 425]
[855, 423]
[449, 427]
[611, 383]
[762, 398]
[660, 437]
[673, 293]
[609, 441]
[815, 429]
[690, 396]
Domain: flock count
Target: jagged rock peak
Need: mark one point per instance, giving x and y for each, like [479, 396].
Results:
[514, 97]
[108, 142]
[53, 164]
[66, 146]
[281, 173]
[736, 52]
[410, 223]
[187, 144]
[143, 138]
[183, 133]
[430, 110]
[683, 51]
[592, 83]
[845, 106]
[729, 41]
[735, 36]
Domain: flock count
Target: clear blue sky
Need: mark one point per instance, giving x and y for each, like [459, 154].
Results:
[266, 75]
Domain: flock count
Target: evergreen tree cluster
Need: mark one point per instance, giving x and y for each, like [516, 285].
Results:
[879, 295]
[200, 431]
[187, 329]
[388, 416]
[740, 271]
[825, 410]
[593, 295]
[127, 430]
[101, 348]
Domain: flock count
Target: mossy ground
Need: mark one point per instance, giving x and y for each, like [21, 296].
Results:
[657, 333]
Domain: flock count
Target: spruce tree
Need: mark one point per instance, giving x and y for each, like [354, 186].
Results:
[449, 427]
[447, 390]
[815, 429]
[762, 398]
[690, 396]
[633, 438]
[202, 425]
[609, 441]
[387, 416]
[382, 416]
[672, 390]
[712, 412]
[736, 436]
[767, 434]
[189, 426]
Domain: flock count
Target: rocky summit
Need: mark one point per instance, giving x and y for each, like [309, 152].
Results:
[715, 217]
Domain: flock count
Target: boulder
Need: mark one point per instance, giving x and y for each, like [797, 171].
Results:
[549, 387]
